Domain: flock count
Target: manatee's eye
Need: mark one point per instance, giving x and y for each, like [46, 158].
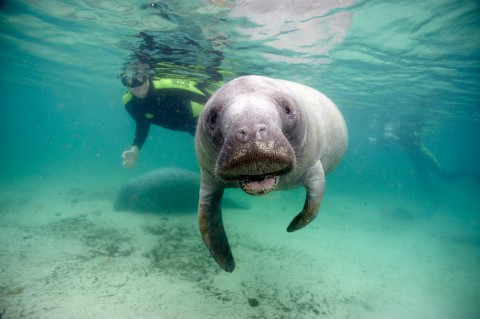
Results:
[211, 120]
[286, 107]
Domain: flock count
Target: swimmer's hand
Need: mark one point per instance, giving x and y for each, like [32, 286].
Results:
[130, 157]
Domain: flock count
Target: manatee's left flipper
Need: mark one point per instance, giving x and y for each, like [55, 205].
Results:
[315, 185]
[211, 224]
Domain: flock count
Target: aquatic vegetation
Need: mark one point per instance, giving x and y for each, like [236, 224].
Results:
[101, 240]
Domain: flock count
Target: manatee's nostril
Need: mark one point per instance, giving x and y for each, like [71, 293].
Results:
[261, 133]
[245, 134]
[242, 135]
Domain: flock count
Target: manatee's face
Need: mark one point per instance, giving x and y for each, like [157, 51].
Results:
[250, 130]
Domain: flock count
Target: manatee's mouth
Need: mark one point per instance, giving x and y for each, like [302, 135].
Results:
[258, 184]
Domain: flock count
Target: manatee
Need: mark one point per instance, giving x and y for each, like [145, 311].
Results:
[263, 134]
[167, 189]
[160, 190]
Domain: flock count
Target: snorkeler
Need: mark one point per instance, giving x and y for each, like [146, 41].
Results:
[169, 77]
[170, 103]
[409, 136]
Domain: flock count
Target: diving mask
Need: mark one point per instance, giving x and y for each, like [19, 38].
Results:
[133, 81]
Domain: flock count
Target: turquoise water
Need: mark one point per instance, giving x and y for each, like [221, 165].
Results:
[392, 241]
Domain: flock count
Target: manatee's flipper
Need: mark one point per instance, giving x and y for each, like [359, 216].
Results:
[211, 224]
[315, 185]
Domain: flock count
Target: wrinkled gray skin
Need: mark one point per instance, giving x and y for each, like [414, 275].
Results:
[264, 134]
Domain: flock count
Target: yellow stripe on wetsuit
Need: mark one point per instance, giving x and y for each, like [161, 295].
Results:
[180, 84]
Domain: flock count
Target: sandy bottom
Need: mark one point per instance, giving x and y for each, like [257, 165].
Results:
[66, 254]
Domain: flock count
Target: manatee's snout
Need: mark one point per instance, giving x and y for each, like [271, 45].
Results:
[255, 153]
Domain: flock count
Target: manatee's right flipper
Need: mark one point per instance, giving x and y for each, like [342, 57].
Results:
[211, 224]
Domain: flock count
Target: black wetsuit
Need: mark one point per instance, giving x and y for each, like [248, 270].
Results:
[168, 108]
